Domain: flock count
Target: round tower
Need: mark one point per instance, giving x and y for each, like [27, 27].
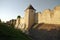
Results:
[17, 22]
[29, 17]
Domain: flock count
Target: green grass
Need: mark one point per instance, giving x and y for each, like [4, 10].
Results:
[9, 33]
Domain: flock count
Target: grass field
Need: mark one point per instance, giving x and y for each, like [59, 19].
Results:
[9, 33]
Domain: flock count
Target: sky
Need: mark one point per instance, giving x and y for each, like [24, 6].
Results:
[10, 9]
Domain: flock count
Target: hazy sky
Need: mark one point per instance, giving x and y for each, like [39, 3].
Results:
[10, 9]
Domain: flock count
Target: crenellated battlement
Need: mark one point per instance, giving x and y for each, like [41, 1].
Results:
[49, 16]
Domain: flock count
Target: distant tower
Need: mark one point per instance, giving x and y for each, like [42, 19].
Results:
[29, 17]
[17, 22]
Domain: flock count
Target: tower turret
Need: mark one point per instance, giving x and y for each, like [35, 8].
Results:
[17, 22]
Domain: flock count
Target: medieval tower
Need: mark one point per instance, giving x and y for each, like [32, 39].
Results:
[29, 17]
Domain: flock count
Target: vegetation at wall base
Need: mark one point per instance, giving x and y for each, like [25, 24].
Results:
[9, 33]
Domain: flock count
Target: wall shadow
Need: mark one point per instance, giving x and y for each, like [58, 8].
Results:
[43, 34]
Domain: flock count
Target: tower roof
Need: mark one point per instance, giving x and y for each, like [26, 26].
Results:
[30, 7]
[18, 16]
